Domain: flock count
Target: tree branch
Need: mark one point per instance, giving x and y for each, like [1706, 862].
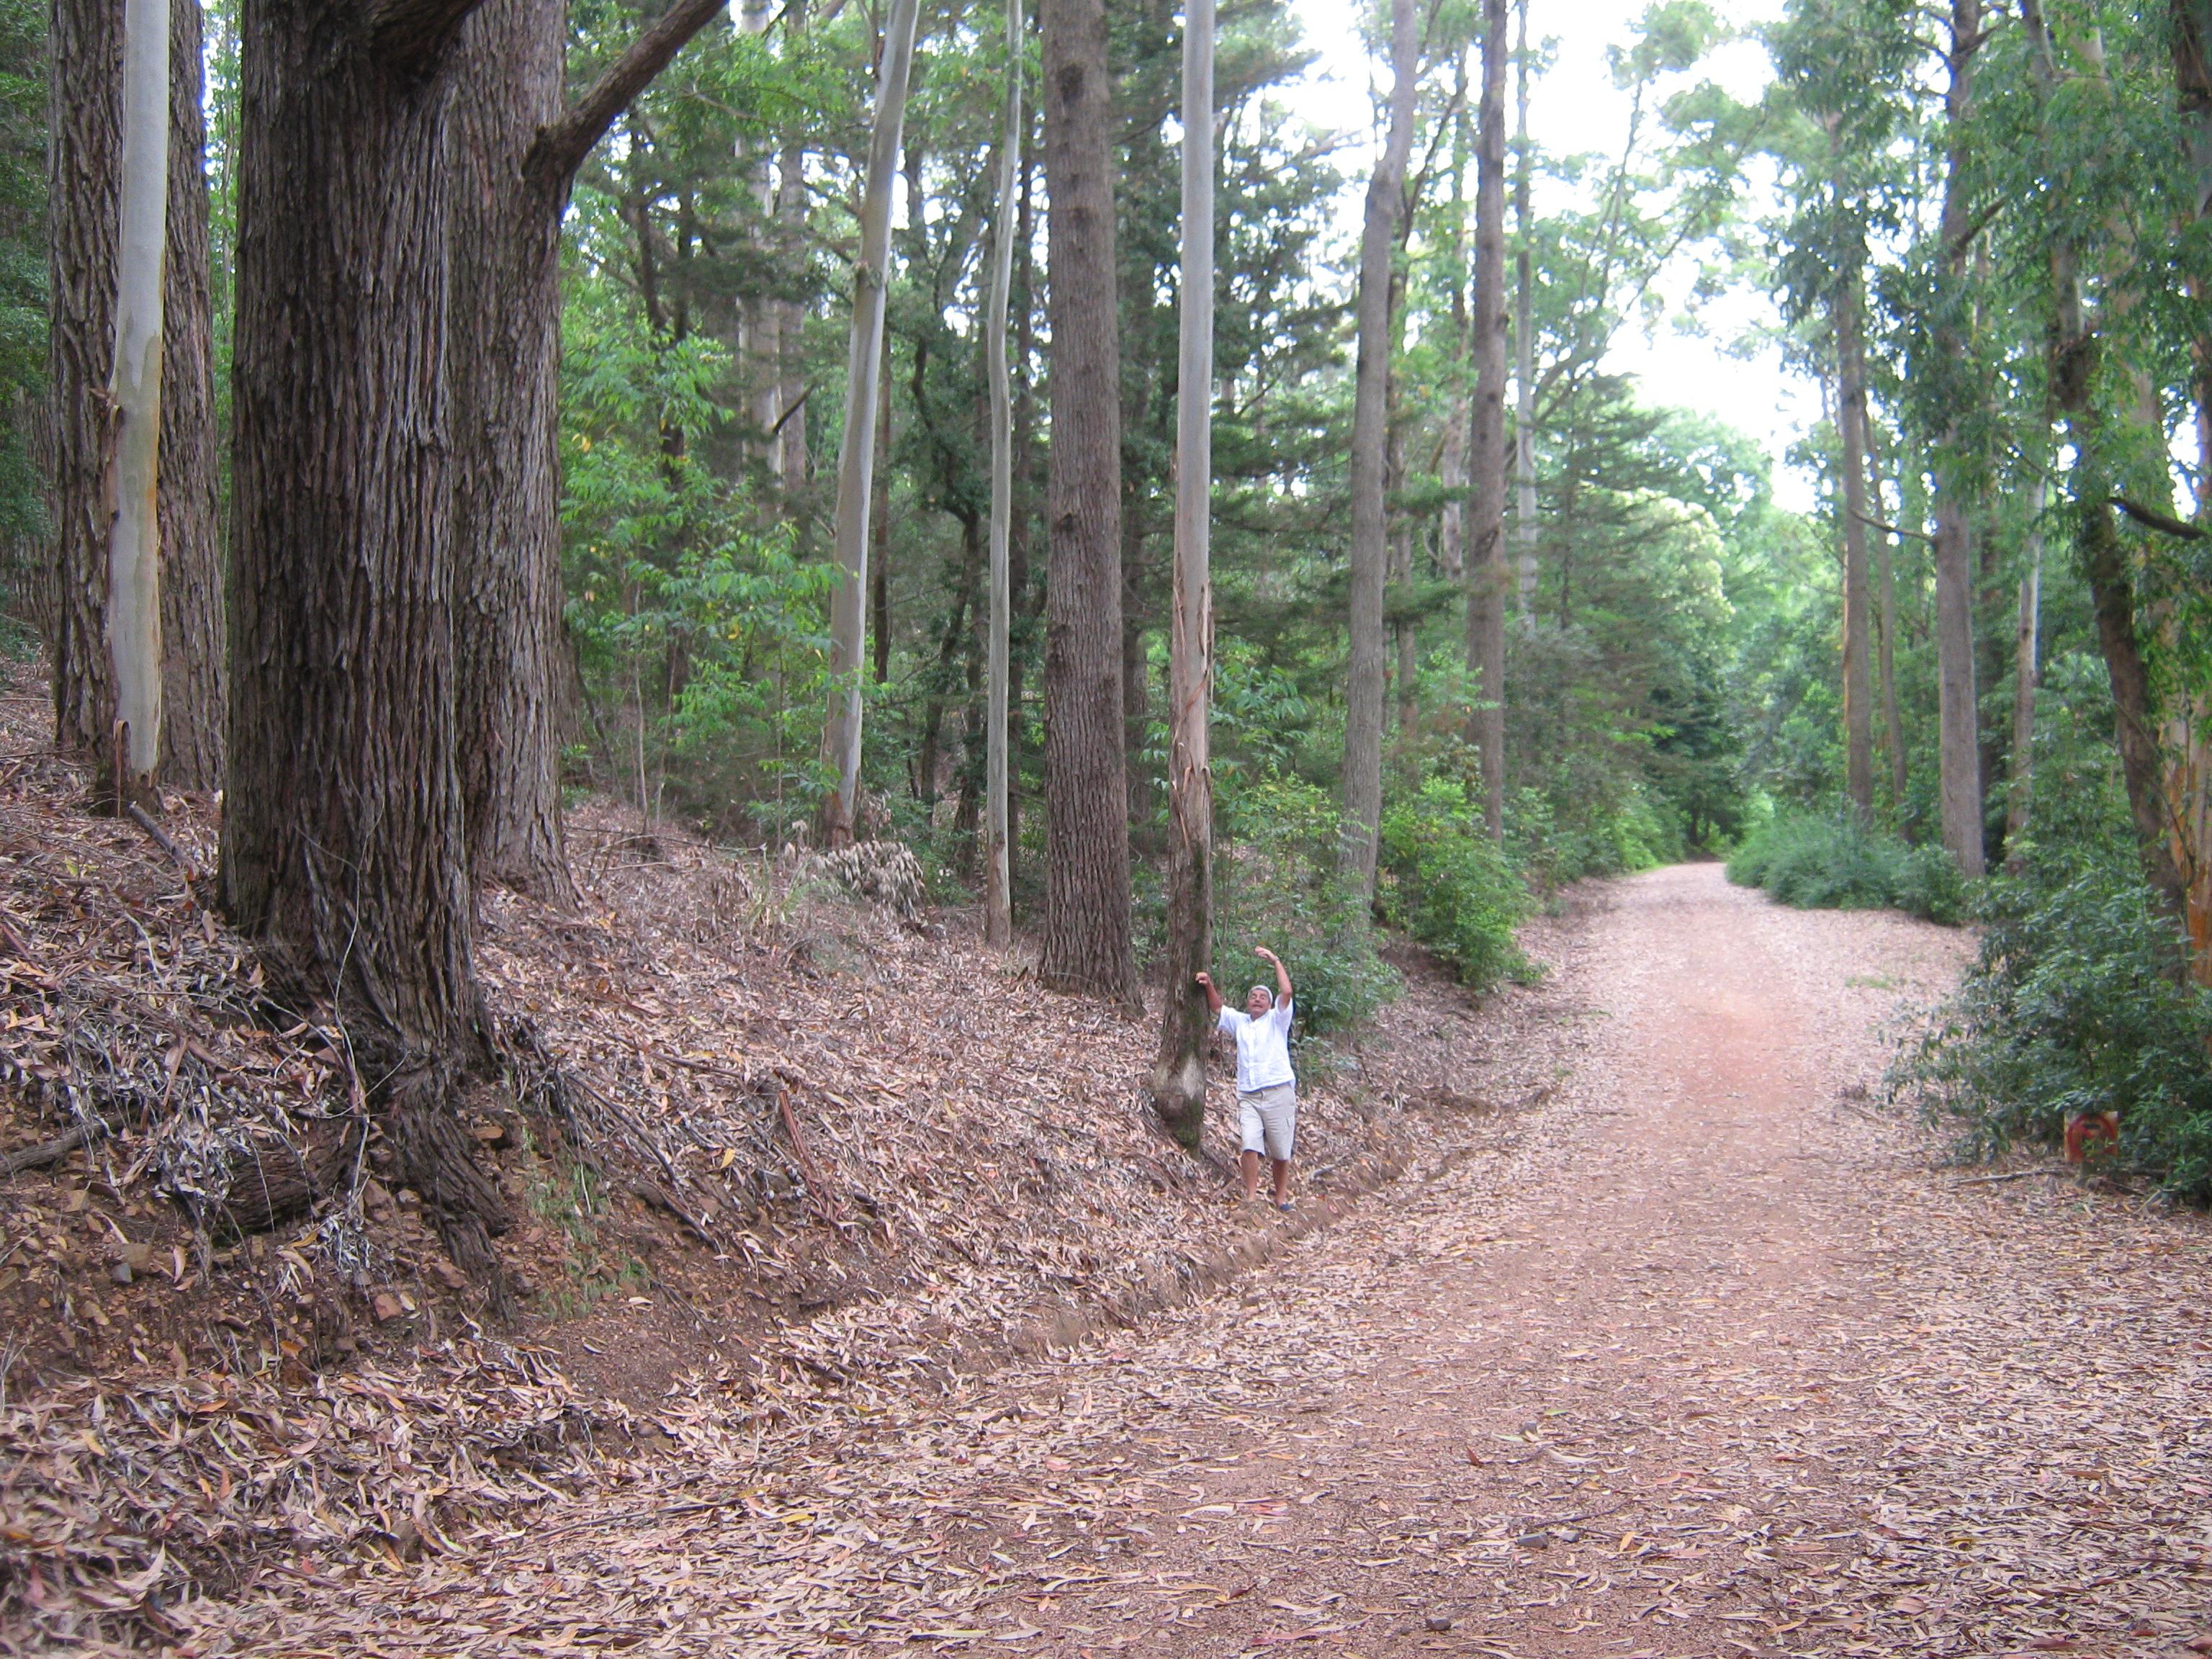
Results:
[1892, 529]
[562, 147]
[2151, 518]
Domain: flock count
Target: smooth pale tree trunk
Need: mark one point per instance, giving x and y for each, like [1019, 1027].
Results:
[2021, 793]
[1086, 947]
[1179, 1073]
[1489, 579]
[1364, 689]
[998, 892]
[1851, 419]
[1524, 336]
[166, 623]
[2100, 553]
[1958, 760]
[193, 705]
[792, 459]
[1451, 463]
[344, 841]
[841, 737]
[134, 391]
[514, 151]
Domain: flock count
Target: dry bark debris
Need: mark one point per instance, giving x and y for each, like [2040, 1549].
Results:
[849, 1154]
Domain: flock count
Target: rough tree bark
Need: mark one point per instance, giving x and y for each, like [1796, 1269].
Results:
[1489, 577]
[1851, 419]
[1179, 1073]
[1958, 757]
[2020, 792]
[1086, 946]
[85, 158]
[841, 735]
[514, 151]
[2188, 781]
[1378, 241]
[998, 892]
[343, 843]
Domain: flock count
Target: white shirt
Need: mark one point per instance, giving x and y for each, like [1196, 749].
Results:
[1263, 1046]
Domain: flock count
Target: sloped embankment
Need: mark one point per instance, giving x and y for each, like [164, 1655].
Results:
[756, 1134]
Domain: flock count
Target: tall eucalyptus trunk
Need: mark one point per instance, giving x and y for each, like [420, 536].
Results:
[841, 735]
[1524, 334]
[2019, 794]
[1489, 579]
[2188, 781]
[998, 893]
[1364, 689]
[1851, 420]
[1179, 1072]
[1087, 948]
[1959, 758]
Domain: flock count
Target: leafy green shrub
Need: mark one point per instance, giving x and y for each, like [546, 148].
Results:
[2073, 1006]
[1818, 863]
[1275, 883]
[1448, 886]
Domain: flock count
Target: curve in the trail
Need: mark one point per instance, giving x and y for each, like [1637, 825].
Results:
[1708, 1358]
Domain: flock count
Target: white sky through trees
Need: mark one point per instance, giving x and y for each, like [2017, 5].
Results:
[1718, 366]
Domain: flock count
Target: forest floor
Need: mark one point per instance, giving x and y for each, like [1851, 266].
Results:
[1710, 1358]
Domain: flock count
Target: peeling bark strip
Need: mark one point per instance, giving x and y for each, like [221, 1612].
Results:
[1086, 946]
[343, 843]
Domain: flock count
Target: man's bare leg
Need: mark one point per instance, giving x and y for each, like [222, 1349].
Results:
[1282, 1178]
[1250, 1162]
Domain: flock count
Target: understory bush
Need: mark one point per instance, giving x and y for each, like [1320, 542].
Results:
[1451, 887]
[1275, 883]
[2074, 1005]
[1820, 863]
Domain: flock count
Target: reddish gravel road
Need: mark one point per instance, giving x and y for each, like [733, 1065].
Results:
[1706, 1357]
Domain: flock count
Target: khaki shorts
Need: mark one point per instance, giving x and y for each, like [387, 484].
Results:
[1270, 1121]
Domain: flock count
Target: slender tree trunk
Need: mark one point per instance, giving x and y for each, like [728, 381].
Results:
[192, 705]
[792, 459]
[344, 841]
[1850, 408]
[2021, 791]
[1179, 1073]
[123, 572]
[1086, 946]
[1488, 577]
[841, 737]
[998, 893]
[1886, 630]
[1959, 751]
[1524, 336]
[1362, 704]
[880, 568]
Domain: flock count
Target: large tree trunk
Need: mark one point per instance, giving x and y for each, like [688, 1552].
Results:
[1086, 946]
[2190, 779]
[1524, 334]
[192, 703]
[998, 896]
[1959, 751]
[2099, 550]
[178, 607]
[504, 376]
[344, 841]
[1489, 578]
[1179, 1073]
[1850, 412]
[840, 736]
[1362, 698]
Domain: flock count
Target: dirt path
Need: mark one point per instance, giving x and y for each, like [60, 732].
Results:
[1705, 1358]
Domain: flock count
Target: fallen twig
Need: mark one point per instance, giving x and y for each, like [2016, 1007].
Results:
[2014, 1175]
[48, 1152]
[139, 816]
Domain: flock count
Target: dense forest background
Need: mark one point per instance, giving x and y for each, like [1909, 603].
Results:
[1974, 677]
